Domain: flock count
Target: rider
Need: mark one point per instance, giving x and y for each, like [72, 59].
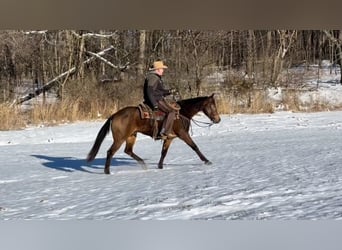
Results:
[154, 96]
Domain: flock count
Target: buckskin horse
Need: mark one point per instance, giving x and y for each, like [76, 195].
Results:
[127, 122]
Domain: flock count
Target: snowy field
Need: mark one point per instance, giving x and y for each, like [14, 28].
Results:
[268, 166]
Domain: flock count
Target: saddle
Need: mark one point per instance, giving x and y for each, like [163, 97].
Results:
[147, 113]
[154, 116]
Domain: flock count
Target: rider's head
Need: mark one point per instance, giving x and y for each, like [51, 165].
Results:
[158, 67]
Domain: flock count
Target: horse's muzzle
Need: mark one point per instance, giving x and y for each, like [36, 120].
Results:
[216, 119]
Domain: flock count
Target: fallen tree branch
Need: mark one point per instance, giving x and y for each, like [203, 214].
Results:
[94, 35]
[51, 83]
[121, 68]
[39, 32]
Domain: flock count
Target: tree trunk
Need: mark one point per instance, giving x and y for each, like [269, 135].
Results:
[80, 58]
[102, 46]
[142, 49]
[267, 61]
[285, 42]
[250, 53]
[43, 70]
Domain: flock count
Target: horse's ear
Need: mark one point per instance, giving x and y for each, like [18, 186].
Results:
[212, 95]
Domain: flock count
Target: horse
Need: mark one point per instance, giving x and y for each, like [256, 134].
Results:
[127, 122]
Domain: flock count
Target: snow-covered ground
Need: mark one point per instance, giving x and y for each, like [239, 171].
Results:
[268, 166]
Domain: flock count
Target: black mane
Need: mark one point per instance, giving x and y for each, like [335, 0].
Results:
[191, 106]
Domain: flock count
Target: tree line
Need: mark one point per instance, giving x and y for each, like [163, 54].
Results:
[33, 58]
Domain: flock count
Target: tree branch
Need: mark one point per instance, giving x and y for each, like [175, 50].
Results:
[121, 68]
[51, 83]
[94, 35]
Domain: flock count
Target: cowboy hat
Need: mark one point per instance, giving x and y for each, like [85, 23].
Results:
[158, 65]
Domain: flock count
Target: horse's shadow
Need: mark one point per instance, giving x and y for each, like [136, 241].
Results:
[70, 164]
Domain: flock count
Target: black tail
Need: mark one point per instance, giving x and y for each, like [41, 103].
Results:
[99, 139]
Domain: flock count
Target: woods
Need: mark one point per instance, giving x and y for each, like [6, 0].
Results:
[251, 60]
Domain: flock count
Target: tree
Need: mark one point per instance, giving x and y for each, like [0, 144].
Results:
[286, 39]
[336, 38]
[142, 49]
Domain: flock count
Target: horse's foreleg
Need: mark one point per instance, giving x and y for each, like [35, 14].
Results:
[130, 141]
[187, 139]
[111, 151]
[165, 148]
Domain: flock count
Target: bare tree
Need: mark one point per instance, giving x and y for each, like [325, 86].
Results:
[197, 49]
[250, 53]
[142, 49]
[336, 38]
[286, 39]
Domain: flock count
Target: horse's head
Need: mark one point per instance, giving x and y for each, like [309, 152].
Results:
[210, 110]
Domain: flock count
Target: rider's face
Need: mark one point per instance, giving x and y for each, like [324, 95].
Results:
[160, 72]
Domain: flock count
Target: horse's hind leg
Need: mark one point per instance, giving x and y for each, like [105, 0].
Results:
[130, 141]
[111, 151]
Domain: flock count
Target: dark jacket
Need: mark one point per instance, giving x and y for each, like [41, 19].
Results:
[154, 89]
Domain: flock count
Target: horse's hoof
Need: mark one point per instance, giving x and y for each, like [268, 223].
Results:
[160, 167]
[208, 163]
[107, 171]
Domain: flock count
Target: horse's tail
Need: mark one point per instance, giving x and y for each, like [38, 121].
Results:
[99, 139]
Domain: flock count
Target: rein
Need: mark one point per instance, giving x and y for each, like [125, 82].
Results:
[202, 124]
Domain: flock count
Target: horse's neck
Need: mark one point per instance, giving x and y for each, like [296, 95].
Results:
[189, 110]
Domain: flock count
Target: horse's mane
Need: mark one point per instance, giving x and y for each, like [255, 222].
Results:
[192, 101]
[189, 107]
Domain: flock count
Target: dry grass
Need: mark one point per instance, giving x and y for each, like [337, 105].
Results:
[87, 100]
[51, 114]
[252, 102]
[259, 104]
[71, 111]
[77, 109]
[10, 118]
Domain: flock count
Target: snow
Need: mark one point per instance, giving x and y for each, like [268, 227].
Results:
[268, 166]
[314, 84]
[322, 80]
